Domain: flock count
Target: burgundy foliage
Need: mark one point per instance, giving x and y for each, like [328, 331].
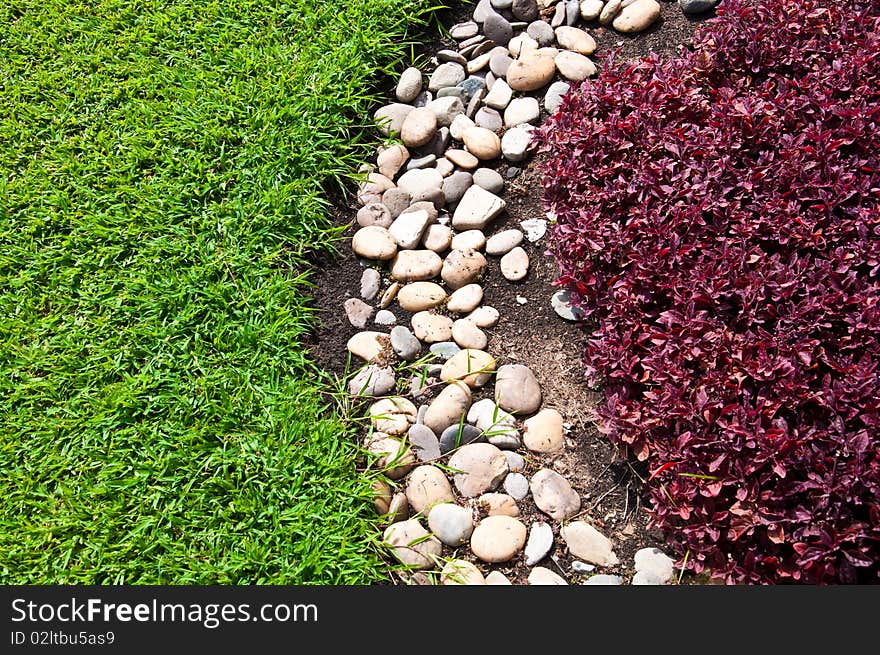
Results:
[719, 224]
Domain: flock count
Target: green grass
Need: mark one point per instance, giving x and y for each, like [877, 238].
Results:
[161, 174]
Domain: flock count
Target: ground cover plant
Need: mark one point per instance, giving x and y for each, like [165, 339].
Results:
[719, 224]
[161, 168]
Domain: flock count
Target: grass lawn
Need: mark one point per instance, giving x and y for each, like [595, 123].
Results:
[161, 165]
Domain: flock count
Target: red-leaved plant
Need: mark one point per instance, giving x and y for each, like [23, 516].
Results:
[719, 224]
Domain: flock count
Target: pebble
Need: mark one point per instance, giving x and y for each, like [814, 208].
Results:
[384, 317]
[420, 388]
[370, 281]
[573, 66]
[482, 10]
[437, 238]
[554, 95]
[416, 265]
[397, 201]
[451, 524]
[381, 496]
[512, 172]
[521, 300]
[561, 303]
[466, 299]
[498, 538]
[692, 7]
[515, 144]
[497, 28]
[426, 487]
[446, 74]
[389, 295]
[419, 296]
[478, 63]
[391, 160]
[553, 495]
[458, 435]
[539, 544]
[543, 433]
[497, 578]
[372, 347]
[499, 63]
[609, 11]
[420, 182]
[544, 576]
[541, 32]
[419, 127]
[412, 544]
[375, 213]
[497, 504]
[490, 119]
[503, 242]
[456, 185]
[602, 579]
[389, 118]
[521, 45]
[372, 380]
[653, 567]
[582, 567]
[636, 17]
[482, 143]
[469, 240]
[448, 407]
[501, 4]
[357, 311]
[466, 30]
[590, 9]
[445, 110]
[393, 456]
[424, 442]
[515, 462]
[517, 390]
[462, 158]
[451, 55]
[374, 242]
[473, 367]
[423, 99]
[398, 508]
[461, 572]
[572, 11]
[458, 126]
[516, 485]
[409, 86]
[530, 72]
[393, 415]
[489, 180]
[515, 264]
[525, 10]
[443, 350]
[404, 344]
[480, 468]
[587, 543]
[498, 98]
[431, 328]
[576, 40]
[467, 335]
[521, 110]
[421, 162]
[484, 317]
[475, 210]
[462, 267]
[439, 143]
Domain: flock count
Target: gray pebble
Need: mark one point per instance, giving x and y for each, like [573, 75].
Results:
[489, 180]
[572, 12]
[444, 350]
[370, 281]
[515, 462]
[541, 32]
[525, 10]
[516, 485]
[451, 55]
[465, 30]
[421, 162]
[404, 343]
[511, 172]
[489, 118]
[455, 185]
[424, 442]
[582, 567]
[507, 441]
[497, 28]
[372, 380]
[456, 435]
[692, 7]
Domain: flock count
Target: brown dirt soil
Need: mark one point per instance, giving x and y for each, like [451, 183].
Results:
[530, 333]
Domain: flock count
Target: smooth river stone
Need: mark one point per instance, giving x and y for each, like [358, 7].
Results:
[587, 543]
[412, 544]
[465, 299]
[475, 210]
[503, 242]
[515, 264]
[437, 238]
[517, 389]
[498, 538]
[576, 40]
[416, 265]
[480, 468]
[372, 347]
[553, 495]
[391, 160]
[432, 328]
[543, 432]
[450, 523]
[374, 242]
[636, 17]
[461, 572]
[393, 415]
[462, 267]
[448, 407]
[390, 117]
[427, 486]
[419, 296]
[531, 72]
[484, 317]
[482, 143]
[574, 67]
[409, 85]
[473, 367]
